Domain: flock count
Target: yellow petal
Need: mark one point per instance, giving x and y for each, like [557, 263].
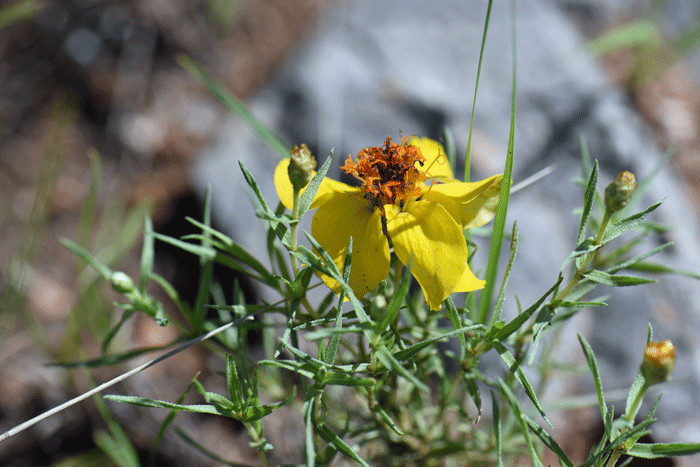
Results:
[340, 216]
[286, 192]
[470, 204]
[428, 235]
[436, 164]
[469, 282]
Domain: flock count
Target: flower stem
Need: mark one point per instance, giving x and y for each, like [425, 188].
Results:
[293, 231]
[579, 275]
[259, 442]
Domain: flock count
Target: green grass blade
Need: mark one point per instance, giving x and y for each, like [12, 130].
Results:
[487, 22]
[147, 255]
[235, 105]
[499, 222]
[88, 207]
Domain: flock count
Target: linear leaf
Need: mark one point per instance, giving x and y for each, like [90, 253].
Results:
[593, 365]
[622, 226]
[515, 368]
[235, 105]
[616, 280]
[659, 450]
[588, 199]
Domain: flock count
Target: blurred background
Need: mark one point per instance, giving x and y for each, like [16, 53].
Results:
[99, 125]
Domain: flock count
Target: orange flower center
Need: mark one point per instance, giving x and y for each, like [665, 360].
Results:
[388, 174]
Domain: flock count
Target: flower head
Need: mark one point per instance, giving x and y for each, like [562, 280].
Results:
[408, 200]
[659, 360]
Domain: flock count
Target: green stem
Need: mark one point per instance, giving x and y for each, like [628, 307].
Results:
[294, 226]
[612, 460]
[259, 443]
[579, 275]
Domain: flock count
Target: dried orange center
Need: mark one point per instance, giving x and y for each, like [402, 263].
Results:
[388, 174]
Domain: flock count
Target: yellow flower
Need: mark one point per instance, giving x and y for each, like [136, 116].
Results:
[408, 200]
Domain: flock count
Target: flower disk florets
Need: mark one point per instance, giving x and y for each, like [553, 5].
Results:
[388, 174]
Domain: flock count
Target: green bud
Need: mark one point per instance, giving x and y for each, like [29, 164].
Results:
[321, 375]
[121, 282]
[301, 167]
[659, 360]
[619, 192]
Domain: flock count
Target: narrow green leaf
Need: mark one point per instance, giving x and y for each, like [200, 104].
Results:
[660, 450]
[487, 22]
[496, 411]
[579, 304]
[519, 416]
[656, 268]
[585, 156]
[104, 270]
[18, 12]
[332, 346]
[309, 443]
[235, 250]
[233, 382]
[473, 390]
[615, 280]
[308, 196]
[622, 226]
[409, 352]
[147, 255]
[548, 441]
[499, 222]
[335, 441]
[593, 365]
[387, 419]
[117, 447]
[519, 320]
[498, 307]
[169, 419]
[235, 105]
[637, 32]
[633, 261]
[588, 199]
[396, 301]
[144, 402]
[515, 368]
[189, 440]
[454, 316]
[88, 207]
[197, 250]
[170, 292]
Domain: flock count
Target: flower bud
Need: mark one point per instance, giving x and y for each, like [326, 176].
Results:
[121, 282]
[301, 167]
[619, 192]
[659, 360]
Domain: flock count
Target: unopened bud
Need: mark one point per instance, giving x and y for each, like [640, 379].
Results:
[619, 192]
[301, 167]
[121, 282]
[659, 360]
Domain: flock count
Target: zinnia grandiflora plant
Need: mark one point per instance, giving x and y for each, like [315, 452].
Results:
[359, 364]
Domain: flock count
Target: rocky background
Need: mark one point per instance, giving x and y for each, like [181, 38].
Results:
[85, 77]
